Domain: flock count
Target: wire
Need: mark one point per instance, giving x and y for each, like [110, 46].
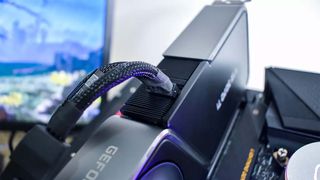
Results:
[10, 141]
[98, 83]
[103, 69]
[148, 74]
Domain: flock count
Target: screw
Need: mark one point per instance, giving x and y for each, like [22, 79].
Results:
[282, 154]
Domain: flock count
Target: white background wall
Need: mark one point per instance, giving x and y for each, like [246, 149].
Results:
[283, 33]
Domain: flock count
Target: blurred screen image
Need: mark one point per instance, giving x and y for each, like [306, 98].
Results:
[46, 48]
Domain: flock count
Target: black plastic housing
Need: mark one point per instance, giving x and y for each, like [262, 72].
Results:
[152, 108]
[64, 120]
[44, 154]
[293, 116]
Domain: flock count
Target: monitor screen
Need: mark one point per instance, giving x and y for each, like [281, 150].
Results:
[46, 48]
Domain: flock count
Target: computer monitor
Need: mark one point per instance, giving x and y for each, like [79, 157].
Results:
[47, 47]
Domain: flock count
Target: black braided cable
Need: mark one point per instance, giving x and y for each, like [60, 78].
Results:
[109, 67]
[113, 77]
[103, 69]
[97, 84]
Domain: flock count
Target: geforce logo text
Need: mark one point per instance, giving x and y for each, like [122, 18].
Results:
[101, 163]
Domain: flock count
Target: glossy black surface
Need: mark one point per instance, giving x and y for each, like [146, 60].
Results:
[164, 170]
